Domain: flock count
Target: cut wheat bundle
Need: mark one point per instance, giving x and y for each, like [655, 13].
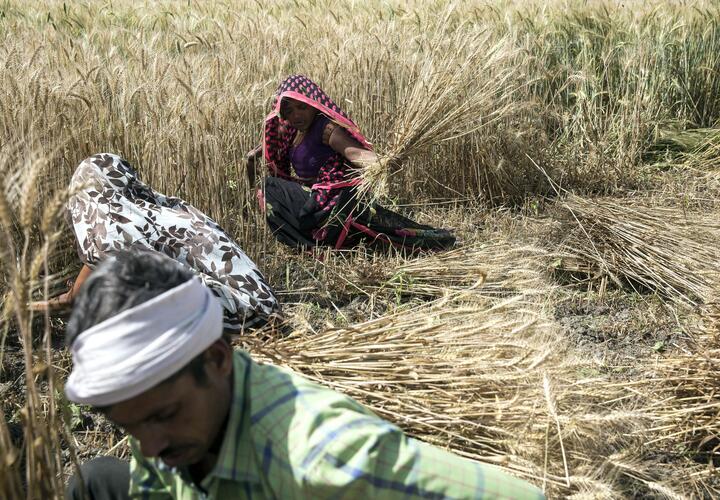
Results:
[484, 372]
[480, 382]
[661, 249]
[494, 268]
[450, 97]
[454, 372]
[491, 380]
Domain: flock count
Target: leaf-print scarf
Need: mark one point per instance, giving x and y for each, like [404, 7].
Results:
[111, 209]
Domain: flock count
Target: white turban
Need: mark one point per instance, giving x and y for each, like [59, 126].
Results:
[129, 353]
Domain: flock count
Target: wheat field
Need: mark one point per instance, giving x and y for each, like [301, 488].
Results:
[572, 336]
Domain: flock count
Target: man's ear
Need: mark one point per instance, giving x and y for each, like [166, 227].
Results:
[219, 357]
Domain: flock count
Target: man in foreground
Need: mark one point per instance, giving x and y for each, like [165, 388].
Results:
[207, 422]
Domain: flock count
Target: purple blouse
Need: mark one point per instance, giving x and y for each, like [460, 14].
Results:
[311, 154]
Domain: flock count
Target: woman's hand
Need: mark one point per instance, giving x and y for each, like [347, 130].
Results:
[251, 159]
[64, 300]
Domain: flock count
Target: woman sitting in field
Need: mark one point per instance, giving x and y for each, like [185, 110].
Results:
[310, 147]
[111, 209]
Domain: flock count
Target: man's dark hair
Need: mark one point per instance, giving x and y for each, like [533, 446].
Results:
[122, 282]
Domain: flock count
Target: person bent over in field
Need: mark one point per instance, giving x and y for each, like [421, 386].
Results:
[208, 422]
[112, 210]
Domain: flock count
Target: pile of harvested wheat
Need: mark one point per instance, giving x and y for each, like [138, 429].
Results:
[664, 250]
[488, 374]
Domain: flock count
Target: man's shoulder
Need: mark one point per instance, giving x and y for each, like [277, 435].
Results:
[285, 407]
[272, 388]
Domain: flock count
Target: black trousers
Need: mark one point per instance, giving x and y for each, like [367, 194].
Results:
[292, 215]
[106, 478]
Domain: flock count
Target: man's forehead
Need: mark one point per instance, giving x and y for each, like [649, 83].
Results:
[147, 404]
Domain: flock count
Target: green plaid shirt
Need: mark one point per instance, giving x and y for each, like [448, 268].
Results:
[290, 438]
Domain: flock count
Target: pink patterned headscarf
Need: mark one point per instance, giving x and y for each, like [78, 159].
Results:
[279, 133]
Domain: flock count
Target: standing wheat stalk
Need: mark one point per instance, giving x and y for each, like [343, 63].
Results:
[24, 255]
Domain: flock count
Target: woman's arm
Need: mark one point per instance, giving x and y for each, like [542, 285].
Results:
[341, 141]
[82, 276]
[65, 299]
